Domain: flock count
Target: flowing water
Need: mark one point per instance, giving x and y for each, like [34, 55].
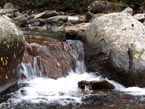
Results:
[63, 91]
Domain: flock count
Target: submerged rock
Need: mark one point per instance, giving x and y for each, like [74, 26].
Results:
[12, 46]
[116, 48]
[52, 58]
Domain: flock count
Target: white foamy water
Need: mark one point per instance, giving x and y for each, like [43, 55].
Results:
[63, 90]
[136, 91]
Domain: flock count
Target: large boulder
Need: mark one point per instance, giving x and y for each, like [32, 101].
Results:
[115, 47]
[11, 51]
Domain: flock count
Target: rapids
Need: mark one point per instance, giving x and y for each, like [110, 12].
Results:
[63, 91]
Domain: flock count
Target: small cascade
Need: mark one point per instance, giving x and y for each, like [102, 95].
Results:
[78, 51]
[64, 90]
[53, 59]
[26, 71]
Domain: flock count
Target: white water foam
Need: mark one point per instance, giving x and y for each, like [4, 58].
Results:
[136, 91]
[63, 90]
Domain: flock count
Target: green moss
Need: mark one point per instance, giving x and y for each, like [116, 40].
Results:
[120, 6]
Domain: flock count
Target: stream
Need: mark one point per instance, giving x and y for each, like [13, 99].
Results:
[39, 92]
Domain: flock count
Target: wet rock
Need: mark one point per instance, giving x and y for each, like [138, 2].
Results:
[115, 47]
[76, 31]
[76, 19]
[128, 10]
[58, 19]
[46, 14]
[140, 17]
[95, 85]
[53, 58]
[11, 51]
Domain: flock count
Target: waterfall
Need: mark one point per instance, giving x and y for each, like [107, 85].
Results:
[26, 71]
[78, 51]
[63, 90]
[34, 69]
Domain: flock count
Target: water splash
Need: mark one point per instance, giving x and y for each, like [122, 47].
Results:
[49, 90]
[27, 71]
[64, 90]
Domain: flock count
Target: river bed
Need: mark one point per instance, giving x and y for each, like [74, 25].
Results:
[38, 92]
